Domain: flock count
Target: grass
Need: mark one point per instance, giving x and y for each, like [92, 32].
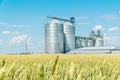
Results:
[60, 67]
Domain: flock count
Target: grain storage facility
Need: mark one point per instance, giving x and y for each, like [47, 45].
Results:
[69, 36]
[54, 37]
[60, 38]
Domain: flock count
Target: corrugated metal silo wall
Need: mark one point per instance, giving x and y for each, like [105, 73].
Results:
[90, 43]
[77, 42]
[69, 37]
[84, 43]
[99, 42]
[54, 38]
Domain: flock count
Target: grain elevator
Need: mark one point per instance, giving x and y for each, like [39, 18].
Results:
[60, 36]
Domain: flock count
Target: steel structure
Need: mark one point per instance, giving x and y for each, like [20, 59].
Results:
[90, 43]
[72, 20]
[69, 36]
[54, 37]
[84, 43]
[60, 36]
[77, 42]
[99, 42]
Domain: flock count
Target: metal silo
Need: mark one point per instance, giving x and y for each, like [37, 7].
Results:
[99, 42]
[90, 43]
[84, 43]
[77, 42]
[80, 43]
[54, 37]
[69, 36]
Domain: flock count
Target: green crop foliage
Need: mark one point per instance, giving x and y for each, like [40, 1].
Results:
[60, 67]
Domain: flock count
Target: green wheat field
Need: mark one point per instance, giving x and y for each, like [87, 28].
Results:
[60, 67]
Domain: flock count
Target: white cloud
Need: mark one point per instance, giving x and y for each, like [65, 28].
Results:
[9, 32]
[113, 28]
[19, 38]
[109, 17]
[6, 32]
[98, 27]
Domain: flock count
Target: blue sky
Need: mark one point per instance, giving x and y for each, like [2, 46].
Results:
[22, 21]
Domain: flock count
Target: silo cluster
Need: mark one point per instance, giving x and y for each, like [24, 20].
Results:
[82, 42]
[92, 41]
[59, 36]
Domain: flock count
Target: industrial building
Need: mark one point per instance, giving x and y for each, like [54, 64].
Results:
[60, 38]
